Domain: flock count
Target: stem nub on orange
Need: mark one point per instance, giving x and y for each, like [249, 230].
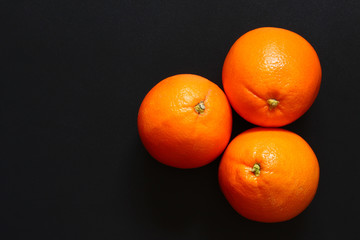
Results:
[185, 121]
[269, 174]
[271, 76]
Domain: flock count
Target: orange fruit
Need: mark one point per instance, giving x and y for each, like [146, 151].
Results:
[271, 76]
[185, 121]
[269, 174]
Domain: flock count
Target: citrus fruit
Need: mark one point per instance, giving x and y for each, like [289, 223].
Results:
[271, 76]
[269, 174]
[185, 121]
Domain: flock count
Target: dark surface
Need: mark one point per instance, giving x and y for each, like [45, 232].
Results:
[75, 73]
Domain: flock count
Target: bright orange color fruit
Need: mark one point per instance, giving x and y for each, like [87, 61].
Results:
[269, 174]
[185, 121]
[271, 76]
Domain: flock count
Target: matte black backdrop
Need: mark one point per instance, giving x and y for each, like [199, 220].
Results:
[75, 73]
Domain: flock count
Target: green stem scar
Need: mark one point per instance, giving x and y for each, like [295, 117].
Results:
[256, 169]
[272, 103]
[200, 107]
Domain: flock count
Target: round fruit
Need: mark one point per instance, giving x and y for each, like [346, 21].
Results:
[185, 121]
[269, 174]
[271, 76]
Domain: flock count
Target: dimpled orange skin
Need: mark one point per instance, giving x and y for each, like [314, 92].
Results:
[288, 177]
[176, 134]
[271, 63]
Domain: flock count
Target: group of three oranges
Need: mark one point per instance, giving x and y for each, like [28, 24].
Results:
[271, 77]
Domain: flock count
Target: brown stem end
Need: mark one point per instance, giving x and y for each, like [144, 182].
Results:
[200, 107]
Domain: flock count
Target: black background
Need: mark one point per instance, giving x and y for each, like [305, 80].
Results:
[74, 75]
